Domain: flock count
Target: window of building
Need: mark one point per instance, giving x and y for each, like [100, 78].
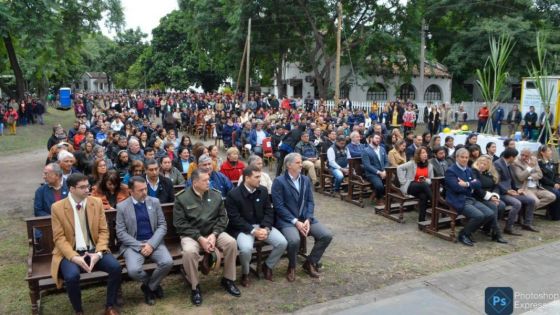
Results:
[433, 93]
[407, 92]
[377, 93]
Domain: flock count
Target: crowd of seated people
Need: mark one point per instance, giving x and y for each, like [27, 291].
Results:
[132, 162]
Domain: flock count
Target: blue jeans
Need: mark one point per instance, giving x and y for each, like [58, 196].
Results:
[70, 272]
[478, 214]
[245, 244]
[338, 177]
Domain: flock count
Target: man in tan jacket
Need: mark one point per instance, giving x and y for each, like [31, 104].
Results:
[526, 175]
[81, 239]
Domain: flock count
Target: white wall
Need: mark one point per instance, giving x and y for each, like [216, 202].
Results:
[358, 92]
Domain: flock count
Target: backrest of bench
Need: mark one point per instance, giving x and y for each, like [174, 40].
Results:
[171, 236]
[40, 235]
[355, 167]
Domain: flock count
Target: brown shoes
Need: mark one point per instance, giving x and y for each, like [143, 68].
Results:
[291, 275]
[267, 272]
[111, 311]
[310, 269]
[245, 280]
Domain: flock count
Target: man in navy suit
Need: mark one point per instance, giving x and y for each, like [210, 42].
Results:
[374, 161]
[294, 206]
[460, 185]
[411, 149]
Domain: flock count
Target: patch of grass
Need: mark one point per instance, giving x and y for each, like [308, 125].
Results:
[32, 137]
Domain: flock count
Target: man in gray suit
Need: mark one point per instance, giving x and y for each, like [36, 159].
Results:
[141, 228]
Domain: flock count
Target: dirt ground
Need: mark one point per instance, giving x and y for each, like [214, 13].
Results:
[368, 252]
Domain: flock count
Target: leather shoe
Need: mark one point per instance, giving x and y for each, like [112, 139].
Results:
[245, 280]
[230, 287]
[148, 295]
[267, 272]
[111, 311]
[159, 292]
[196, 296]
[498, 238]
[529, 228]
[310, 269]
[511, 232]
[291, 275]
[464, 240]
[469, 236]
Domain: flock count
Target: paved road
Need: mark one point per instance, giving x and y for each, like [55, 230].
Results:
[461, 291]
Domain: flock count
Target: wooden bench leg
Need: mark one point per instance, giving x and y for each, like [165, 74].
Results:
[259, 261]
[34, 294]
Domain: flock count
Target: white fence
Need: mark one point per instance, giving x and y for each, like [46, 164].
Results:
[470, 107]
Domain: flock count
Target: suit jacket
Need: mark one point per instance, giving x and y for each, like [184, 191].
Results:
[406, 173]
[550, 175]
[439, 170]
[62, 220]
[127, 225]
[165, 190]
[506, 181]
[44, 198]
[245, 209]
[521, 173]
[372, 163]
[455, 193]
[410, 150]
[287, 200]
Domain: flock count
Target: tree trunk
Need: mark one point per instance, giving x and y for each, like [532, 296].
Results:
[20, 82]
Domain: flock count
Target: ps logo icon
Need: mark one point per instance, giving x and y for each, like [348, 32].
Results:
[498, 301]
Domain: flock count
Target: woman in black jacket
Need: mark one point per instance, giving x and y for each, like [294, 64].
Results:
[550, 179]
[483, 170]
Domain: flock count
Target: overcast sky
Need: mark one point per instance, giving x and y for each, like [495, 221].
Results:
[144, 14]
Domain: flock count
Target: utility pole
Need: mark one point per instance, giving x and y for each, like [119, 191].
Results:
[241, 67]
[337, 75]
[422, 57]
[248, 63]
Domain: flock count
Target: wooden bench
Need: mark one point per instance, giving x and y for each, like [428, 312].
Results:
[326, 178]
[40, 253]
[359, 186]
[443, 217]
[396, 203]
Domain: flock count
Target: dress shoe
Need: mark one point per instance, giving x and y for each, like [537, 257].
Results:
[498, 238]
[196, 296]
[149, 297]
[469, 236]
[230, 287]
[245, 280]
[511, 232]
[267, 272]
[111, 311]
[310, 269]
[529, 228]
[464, 240]
[158, 292]
[291, 275]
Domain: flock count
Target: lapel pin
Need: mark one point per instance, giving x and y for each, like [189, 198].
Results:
[258, 200]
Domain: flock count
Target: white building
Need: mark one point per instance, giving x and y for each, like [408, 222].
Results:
[93, 82]
[437, 85]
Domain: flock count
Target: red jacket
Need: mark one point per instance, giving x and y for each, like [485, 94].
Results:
[13, 113]
[483, 113]
[232, 172]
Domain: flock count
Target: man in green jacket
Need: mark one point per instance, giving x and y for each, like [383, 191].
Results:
[200, 219]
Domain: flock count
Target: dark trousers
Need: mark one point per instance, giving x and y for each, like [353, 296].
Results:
[320, 233]
[481, 125]
[70, 272]
[280, 162]
[378, 186]
[478, 215]
[554, 207]
[423, 192]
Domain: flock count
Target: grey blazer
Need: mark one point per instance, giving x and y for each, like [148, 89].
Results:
[406, 173]
[126, 224]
